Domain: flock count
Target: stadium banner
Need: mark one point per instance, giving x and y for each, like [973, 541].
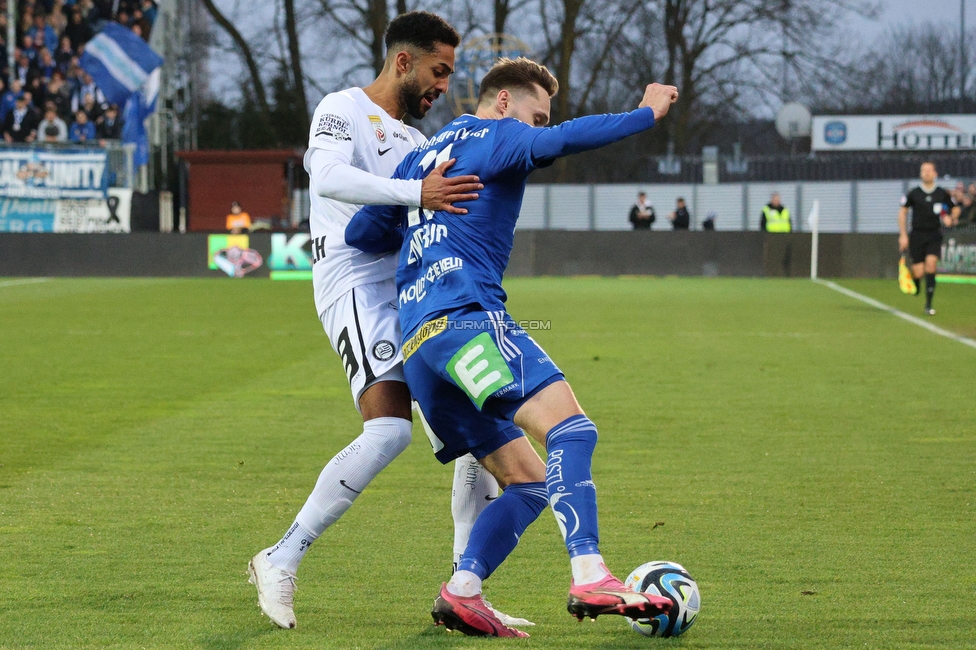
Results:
[48, 174]
[894, 133]
[80, 215]
[292, 256]
[958, 261]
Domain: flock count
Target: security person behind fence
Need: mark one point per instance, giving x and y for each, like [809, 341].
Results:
[775, 218]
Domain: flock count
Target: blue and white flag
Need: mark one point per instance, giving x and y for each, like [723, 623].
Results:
[127, 72]
[140, 105]
[119, 61]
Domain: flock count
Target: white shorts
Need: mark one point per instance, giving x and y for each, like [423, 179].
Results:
[364, 327]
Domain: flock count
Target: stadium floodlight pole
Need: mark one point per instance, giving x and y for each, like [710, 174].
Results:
[962, 56]
[814, 220]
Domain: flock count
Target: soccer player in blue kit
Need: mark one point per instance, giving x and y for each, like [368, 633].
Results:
[477, 378]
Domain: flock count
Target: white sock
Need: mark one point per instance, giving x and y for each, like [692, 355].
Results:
[588, 569]
[464, 584]
[287, 553]
[474, 488]
[348, 474]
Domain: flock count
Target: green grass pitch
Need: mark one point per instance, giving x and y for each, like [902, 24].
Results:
[812, 459]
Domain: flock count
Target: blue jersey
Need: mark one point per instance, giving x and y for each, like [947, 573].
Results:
[449, 260]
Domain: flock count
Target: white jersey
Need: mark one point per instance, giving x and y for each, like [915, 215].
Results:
[353, 131]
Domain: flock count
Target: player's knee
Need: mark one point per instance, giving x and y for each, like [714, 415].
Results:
[523, 474]
[578, 428]
[388, 436]
[385, 398]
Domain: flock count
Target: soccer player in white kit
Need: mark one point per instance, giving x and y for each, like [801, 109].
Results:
[357, 139]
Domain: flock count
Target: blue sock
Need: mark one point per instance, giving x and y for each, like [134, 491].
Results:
[569, 483]
[499, 527]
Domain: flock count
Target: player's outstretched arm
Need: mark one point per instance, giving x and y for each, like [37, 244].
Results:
[376, 229]
[595, 131]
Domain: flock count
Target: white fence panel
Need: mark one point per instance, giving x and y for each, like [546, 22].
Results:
[877, 205]
[613, 203]
[532, 216]
[835, 205]
[569, 207]
[724, 200]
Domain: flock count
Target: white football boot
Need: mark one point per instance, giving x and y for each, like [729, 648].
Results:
[276, 590]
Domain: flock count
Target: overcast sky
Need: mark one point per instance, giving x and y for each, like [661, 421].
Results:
[226, 69]
[902, 12]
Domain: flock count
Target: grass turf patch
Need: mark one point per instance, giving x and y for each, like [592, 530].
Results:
[157, 433]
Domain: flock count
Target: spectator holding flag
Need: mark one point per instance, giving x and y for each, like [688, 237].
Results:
[131, 79]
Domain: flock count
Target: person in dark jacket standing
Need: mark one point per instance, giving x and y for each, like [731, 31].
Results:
[680, 218]
[109, 126]
[642, 214]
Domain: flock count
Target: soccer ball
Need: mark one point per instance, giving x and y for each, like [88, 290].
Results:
[670, 580]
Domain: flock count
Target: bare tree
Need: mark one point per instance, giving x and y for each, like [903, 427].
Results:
[502, 10]
[911, 70]
[245, 50]
[730, 53]
[364, 23]
[295, 58]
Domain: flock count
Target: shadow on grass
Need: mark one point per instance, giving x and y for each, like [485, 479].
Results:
[434, 637]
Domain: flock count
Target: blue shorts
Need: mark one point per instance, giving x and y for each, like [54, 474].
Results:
[469, 371]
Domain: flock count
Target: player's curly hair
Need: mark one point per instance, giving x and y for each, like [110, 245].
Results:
[521, 73]
[420, 29]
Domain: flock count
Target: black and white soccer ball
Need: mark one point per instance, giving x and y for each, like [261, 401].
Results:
[672, 581]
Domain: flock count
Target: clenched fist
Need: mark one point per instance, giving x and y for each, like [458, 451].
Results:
[659, 98]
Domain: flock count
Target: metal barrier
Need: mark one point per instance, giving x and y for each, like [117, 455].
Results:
[845, 206]
[835, 166]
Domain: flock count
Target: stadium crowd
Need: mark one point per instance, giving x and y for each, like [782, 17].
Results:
[965, 198]
[45, 95]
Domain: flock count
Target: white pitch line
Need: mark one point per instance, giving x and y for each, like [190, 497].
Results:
[900, 314]
[13, 283]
